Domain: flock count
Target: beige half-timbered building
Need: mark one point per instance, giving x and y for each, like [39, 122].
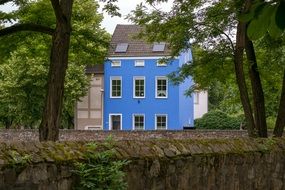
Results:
[89, 110]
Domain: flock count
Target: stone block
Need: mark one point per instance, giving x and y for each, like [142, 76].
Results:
[10, 176]
[64, 184]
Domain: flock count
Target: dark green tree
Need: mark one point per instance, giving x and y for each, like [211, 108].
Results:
[219, 30]
[56, 27]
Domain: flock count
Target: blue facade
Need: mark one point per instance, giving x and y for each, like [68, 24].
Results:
[177, 108]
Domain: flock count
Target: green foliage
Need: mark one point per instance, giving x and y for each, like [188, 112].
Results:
[24, 64]
[100, 170]
[21, 78]
[263, 17]
[111, 8]
[17, 160]
[209, 30]
[224, 97]
[210, 27]
[218, 120]
[271, 122]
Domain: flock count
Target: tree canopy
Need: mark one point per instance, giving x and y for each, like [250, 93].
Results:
[265, 17]
[25, 61]
[220, 33]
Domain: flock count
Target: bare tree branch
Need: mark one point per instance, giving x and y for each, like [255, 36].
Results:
[26, 27]
[222, 33]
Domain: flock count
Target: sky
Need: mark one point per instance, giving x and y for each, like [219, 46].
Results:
[7, 7]
[126, 6]
[109, 23]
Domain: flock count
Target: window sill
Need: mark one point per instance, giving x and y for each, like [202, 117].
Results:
[161, 97]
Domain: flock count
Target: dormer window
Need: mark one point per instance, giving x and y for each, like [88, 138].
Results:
[121, 48]
[158, 47]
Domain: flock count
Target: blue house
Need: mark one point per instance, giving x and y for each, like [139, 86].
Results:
[137, 93]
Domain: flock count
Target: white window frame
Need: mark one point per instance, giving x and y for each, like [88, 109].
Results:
[134, 86]
[93, 127]
[114, 114]
[160, 64]
[139, 63]
[116, 63]
[156, 83]
[196, 97]
[116, 78]
[166, 120]
[138, 114]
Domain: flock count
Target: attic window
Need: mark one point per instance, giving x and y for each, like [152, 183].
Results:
[139, 63]
[158, 47]
[121, 47]
[116, 63]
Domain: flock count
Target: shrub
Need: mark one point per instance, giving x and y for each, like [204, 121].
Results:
[218, 120]
[100, 170]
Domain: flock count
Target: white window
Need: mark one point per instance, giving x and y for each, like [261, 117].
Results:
[138, 122]
[161, 121]
[161, 88]
[116, 87]
[116, 63]
[139, 87]
[161, 63]
[139, 63]
[196, 97]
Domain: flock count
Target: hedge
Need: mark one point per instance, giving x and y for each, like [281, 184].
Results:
[218, 120]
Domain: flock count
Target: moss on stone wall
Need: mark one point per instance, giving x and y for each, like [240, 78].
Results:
[20, 153]
[155, 164]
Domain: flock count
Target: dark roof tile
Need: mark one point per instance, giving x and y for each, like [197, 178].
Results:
[95, 69]
[136, 47]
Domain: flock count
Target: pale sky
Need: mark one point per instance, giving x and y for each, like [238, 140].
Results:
[126, 6]
[7, 7]
[109, 23]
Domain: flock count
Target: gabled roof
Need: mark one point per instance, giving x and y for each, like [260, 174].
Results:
[126, 34]
[95, 69]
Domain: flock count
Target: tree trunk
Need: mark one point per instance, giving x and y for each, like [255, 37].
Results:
[8, 123]
[70, 121]
[280, 120]
[51, 118]
[238, 61]
[257, 91]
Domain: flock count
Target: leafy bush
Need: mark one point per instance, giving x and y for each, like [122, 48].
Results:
[270, 122]
[101, 170]
[218, 120]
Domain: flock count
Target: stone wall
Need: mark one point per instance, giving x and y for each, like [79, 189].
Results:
[252, 171]
[42, 176]
[155, 164]
[77, 135]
